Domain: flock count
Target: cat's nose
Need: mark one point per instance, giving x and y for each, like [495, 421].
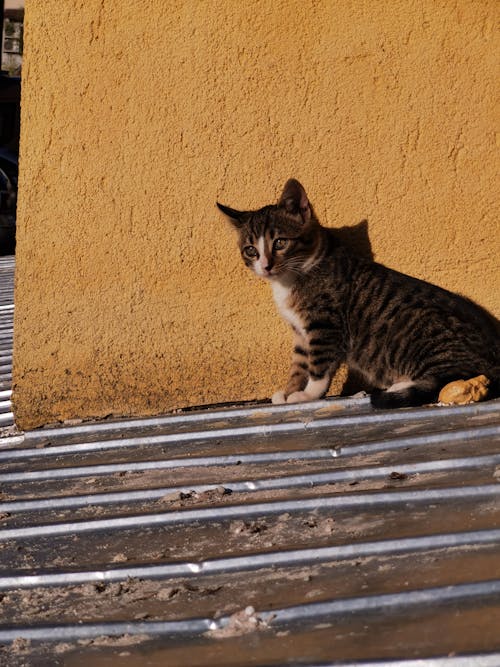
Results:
[269, 264]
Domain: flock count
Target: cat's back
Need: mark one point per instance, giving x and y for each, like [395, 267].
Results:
[378, 300]
[423, 299]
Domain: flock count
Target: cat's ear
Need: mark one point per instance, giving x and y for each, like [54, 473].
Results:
[295, 200]
[236, 217]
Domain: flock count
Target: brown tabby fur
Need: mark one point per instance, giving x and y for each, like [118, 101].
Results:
[404, 335]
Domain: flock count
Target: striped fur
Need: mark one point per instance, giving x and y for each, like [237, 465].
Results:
[407, 337]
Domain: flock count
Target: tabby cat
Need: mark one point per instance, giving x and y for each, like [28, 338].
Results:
[407, 337]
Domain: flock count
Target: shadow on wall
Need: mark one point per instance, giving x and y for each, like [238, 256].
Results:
[357, 240]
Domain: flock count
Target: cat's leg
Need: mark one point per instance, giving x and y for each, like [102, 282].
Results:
[298, 375]
[325, 357]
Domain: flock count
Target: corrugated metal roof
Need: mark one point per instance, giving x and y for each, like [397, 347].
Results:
[6, 330]
[314, 534]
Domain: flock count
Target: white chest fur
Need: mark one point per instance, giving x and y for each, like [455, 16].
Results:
[281, 295]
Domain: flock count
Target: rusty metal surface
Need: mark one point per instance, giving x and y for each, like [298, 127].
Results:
[313, 534]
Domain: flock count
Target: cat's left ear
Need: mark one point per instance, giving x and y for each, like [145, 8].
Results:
[295, 200]
[236, 217]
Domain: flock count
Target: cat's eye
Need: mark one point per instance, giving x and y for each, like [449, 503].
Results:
[250, 251]
[280, 244]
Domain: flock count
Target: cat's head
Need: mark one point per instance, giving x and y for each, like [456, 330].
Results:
[279, 239]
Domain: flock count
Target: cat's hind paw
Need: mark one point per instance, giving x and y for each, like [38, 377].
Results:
[278, 398]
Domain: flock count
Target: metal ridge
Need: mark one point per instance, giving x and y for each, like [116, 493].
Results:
[305, 613]
[470, 660]
[6, 418]
[194, 416]
[245, 486]
[225, 512]
[234, 432]
[339, 418]
[439, 439]
[225, 460]
[256, 560]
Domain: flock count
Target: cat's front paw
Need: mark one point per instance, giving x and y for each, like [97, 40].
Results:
[278, 398]
[299, 397]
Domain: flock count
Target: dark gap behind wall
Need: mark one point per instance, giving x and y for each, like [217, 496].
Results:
[11, 51]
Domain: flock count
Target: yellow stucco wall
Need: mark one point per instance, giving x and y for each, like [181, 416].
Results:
[131, 297]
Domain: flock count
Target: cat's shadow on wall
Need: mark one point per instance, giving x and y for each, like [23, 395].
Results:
[356, 239]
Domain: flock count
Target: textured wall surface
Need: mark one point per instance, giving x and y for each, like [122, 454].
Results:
[131, 297]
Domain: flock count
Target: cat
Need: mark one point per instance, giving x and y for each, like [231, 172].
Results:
[407, 337]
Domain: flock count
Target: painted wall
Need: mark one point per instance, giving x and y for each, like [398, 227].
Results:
[130, 294]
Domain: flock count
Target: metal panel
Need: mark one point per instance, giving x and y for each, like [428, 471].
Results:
[6, 332]
[313, 534]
